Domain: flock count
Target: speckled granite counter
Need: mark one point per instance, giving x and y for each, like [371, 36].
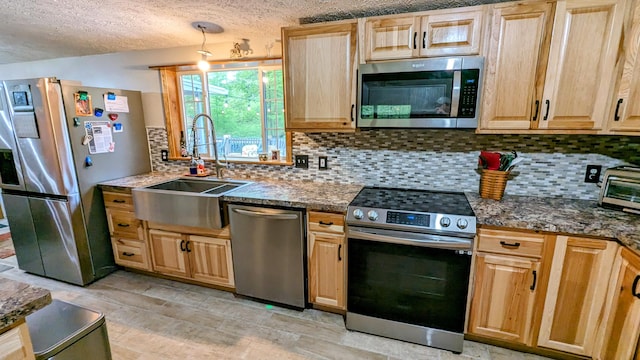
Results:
[300, 194]
[570, 216]
[17, 300]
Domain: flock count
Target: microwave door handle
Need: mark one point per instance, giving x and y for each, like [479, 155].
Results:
[455, 93]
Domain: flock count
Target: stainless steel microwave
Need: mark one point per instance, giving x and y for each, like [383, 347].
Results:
[621, 189]
[425, 93]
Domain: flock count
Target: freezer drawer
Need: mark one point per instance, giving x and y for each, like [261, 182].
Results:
[268, 250]
[64, 331]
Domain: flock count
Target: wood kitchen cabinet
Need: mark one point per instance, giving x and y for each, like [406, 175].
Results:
[204, 257]
[15, 344]
[577, 288]
[447, 32]
[618, 336]
[507, 280]
[326, 244]
[624, 115]
[320, 64]
[551, 75]
[127, 232]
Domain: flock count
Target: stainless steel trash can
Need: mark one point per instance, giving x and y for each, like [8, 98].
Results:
[64, 331]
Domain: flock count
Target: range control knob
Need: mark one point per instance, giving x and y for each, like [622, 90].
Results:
[462, 223]
[372, 215]
[358, 214]
[445, 222]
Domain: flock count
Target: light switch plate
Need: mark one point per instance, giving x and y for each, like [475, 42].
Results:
[302, 161]
[322, 163]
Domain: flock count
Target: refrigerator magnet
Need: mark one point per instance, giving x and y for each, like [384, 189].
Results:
[87, 161]
[111, 96]
[117, 127]
[97, 112]
[113, 117]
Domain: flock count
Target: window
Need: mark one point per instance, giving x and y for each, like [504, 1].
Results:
[244, 99]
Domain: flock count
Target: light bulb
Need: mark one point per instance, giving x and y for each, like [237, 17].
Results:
[203, 64]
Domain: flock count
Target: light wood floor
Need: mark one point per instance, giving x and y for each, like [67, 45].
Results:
[151, 318]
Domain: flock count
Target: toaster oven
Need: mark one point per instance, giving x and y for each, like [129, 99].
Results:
[621, 189]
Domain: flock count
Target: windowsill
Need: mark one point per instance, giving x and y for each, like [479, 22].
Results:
[242, 161]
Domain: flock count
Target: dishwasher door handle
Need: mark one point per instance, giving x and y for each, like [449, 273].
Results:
[266, 215]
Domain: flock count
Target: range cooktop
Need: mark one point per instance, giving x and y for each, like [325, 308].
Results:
[412, 210]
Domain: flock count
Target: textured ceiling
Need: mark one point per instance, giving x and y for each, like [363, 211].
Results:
[48, 29]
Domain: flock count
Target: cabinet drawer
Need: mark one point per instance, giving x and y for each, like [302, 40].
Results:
[510, 242]
[124, 223]
[326, 222]
[131, 253]
[118, 200]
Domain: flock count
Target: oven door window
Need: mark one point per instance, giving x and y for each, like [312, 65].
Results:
[410, 95]
[624, 190]
[409, 284]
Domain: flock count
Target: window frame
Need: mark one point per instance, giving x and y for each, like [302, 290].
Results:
[173, 109]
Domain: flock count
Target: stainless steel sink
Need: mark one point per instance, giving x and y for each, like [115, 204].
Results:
[185, 201]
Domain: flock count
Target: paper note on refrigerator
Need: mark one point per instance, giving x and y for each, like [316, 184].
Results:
[119, 104]
[100, 135]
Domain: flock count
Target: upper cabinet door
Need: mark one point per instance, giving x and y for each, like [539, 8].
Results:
[319, 70]
[452, 33]
[391, 38]
[584, 47]
[515, 65]
[625, 109]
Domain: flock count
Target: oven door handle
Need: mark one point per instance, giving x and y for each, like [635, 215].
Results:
[431, 241]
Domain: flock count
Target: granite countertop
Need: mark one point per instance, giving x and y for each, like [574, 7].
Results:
[301, 194]
[569, 216]
[17, 300]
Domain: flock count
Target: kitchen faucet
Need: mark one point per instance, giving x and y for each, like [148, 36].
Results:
[217, 164]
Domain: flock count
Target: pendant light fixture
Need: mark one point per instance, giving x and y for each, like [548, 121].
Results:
[205, 27]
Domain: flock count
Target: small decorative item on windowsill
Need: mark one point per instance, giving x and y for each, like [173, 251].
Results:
[495, 169]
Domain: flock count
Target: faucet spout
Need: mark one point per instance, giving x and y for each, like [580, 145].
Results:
[217, 164]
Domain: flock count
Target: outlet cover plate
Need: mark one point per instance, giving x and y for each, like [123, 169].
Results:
[322, 163]
[592, 175]
[302, 161]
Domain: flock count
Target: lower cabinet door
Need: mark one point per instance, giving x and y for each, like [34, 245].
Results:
[326, 269]
[503, 297]
[15, 344]
[578, 283]
[131, 253]
[618, 337]
[210, 260]
[169, 253]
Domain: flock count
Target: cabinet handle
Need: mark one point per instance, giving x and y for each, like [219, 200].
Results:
[124, 225]
[187, 246]
[339, 250]
[415, 36]
[633, 288]
[128, 254]
[546, 114]
[353, 106]
[325, 223]
[616, 117]
[424, 40]
[535, 116]
[535, 277]
[119, 201]
[515, 245]
[182, 246]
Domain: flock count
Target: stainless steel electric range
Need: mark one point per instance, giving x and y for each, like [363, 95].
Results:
[409, 259]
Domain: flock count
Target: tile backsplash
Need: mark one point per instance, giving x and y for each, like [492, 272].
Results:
[555, 165]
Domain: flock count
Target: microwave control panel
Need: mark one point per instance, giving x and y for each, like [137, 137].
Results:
[468, 93]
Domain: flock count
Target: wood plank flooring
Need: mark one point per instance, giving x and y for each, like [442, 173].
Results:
[151, 318]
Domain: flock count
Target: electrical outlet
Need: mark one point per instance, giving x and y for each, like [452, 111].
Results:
[592, 175]
[302, 161]
[164, 154]
[322, 163]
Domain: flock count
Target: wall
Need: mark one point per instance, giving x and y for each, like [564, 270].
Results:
[439, 160]
[128, 70]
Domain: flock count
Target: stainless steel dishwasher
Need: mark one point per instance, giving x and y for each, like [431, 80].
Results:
[268, 250]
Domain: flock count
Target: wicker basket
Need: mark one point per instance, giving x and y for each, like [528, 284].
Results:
[492, 184]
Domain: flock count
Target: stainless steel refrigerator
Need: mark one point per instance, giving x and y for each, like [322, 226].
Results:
[54, 149]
